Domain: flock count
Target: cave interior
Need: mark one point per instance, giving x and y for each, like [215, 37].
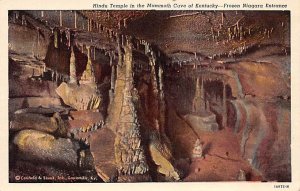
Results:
[149, 96]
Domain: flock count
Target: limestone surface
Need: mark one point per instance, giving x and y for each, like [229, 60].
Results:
[81, 97]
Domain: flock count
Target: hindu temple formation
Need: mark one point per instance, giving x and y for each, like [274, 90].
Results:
[149, 96]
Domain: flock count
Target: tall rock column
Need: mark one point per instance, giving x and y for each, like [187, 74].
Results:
[73, 77]
[129, 153]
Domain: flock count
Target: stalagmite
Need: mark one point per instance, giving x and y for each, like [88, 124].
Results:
[129, 127]
[198, 102]
[73, 77]
[88, 76]
[198, 150]
[241, 175]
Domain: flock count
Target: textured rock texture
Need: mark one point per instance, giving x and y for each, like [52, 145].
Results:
[81, 97]
[39, 122]
[202, 123]
[264, 134]
[44, 148]
[102, 148]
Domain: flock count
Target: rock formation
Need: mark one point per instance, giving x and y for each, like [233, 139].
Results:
[198, 150]
[100, 94]
[45, 148]
[81, 97]
[129, 152]
[39, 122]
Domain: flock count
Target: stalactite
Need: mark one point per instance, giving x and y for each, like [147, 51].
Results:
[60, 19]
[229, 33]
[241, 33]
[75, 19]
[55, 39]
[94, 51]
[222, 14]
[125, 23]
[42, 14]
[24, 20]
[17, 15]
[119, 24]
[112, 83]
[123, 39]
[60, 35]
[68, 36]
[52, 75]
[38, 36]
[56, 76]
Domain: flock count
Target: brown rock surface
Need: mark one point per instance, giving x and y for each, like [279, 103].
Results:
[38, 122]
[81, 97]
[44, 148]
[102, 148]
[162, 157]
[25, 102]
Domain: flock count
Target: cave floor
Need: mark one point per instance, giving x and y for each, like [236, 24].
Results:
[222, 159]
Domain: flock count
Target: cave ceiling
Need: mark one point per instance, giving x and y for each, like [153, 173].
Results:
[181, 34]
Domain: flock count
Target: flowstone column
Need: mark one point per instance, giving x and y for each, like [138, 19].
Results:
[129, 152]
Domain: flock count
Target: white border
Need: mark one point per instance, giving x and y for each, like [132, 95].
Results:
[5, 5]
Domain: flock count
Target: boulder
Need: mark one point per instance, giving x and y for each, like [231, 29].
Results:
[24, 102]
[39, 122]
[44, 148]
[43, 110]
[81, 97]
[202, 123]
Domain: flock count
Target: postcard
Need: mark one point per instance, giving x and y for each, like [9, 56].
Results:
[154, 95]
